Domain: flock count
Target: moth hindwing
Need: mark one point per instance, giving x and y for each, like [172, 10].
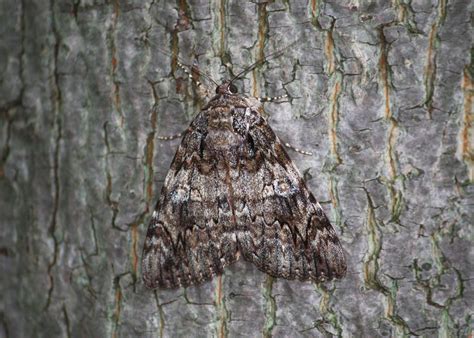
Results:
[232, 190]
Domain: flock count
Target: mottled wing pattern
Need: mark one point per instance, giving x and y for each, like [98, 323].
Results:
[232, 189]
[281, 227]
[190, 238]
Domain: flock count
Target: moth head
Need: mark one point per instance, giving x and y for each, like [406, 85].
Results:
[227, 87]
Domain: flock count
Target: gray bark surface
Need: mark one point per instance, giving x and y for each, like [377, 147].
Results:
[381, 93]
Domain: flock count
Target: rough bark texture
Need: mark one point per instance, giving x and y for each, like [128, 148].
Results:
[381, 94]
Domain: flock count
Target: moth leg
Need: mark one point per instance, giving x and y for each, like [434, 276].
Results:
[172, 137]
[175, 136]
[271, 99]
[304, 152]
[276, 98]
[196, 81]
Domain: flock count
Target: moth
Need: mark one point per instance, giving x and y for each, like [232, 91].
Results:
[231, 191]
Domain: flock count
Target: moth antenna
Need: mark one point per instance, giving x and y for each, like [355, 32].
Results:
[262, 60]
[191, 77]
[256, 64]
[182, 64]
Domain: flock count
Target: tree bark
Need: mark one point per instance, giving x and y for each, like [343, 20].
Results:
[381, 93]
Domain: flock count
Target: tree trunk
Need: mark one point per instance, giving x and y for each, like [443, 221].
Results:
[381, 93]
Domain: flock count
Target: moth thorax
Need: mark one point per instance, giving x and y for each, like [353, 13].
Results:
[222, 140]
